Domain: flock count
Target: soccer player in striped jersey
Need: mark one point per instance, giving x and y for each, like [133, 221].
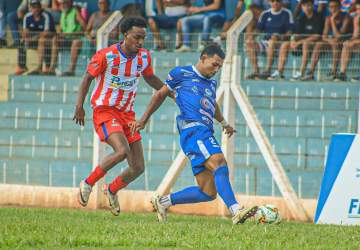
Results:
[117, 70]
[195, 94]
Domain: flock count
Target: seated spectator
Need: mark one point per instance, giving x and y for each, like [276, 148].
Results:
[266, 4]
[97, 19]
[319, 7]
[277, 24]
[15, 17]
[308, 29]
[72, 26]
[346, 5]
[336, 27]
[169, 12]
[38, 29]
[205, 17]
[352, 45]
[237, 14]
[53, 7]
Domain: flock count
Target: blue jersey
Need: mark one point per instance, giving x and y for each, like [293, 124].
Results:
[45, 23]
[271, 22]
[195, 95]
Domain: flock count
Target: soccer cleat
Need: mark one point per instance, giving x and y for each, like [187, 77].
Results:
[113, 201]
[160, 209]
[84, 193]
[243, 214]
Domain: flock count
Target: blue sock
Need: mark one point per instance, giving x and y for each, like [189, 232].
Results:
[189, 195]
[223, 186]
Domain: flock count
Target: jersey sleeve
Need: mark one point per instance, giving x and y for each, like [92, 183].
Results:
[148, 71]
[261, 23]
[97, 64]
[173, 79]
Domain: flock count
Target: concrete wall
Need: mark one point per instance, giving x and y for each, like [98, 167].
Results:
[130, 201]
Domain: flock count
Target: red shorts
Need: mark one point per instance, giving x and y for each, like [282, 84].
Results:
[108, 120]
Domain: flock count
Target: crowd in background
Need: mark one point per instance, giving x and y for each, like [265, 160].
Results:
[302, 27]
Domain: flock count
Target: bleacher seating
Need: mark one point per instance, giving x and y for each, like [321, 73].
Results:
[41, 145]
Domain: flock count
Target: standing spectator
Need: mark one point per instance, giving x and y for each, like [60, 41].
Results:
[277, 24]
[212, 13]
[38, 28]
[308, 29]
[72, 26]
[97, 19]
[350, 45]
[15, 17]
[238, 10]
[319, 7]
[169, 12]
[336, 26]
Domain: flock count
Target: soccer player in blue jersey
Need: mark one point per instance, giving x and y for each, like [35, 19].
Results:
[195, 94]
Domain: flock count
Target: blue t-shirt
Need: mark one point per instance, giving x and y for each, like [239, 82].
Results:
[45, 23]
[195, 95]
[275, 22]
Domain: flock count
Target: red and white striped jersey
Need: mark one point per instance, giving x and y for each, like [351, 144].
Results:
[117, 77]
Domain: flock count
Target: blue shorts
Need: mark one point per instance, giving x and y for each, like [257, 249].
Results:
[198, 144]
[166, 22]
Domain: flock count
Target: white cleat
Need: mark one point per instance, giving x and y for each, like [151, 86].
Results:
[243, 214]
[84, 193]
[160, 209]
[113, 201]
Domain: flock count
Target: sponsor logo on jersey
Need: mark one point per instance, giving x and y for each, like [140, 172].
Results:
[208, 92]
[195, 90]
[206, 104]
[203, 112]
[195, 80]
[116, 82]
[139, 67]
[169, 78]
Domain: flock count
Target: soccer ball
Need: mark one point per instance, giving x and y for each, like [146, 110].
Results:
[267, 214]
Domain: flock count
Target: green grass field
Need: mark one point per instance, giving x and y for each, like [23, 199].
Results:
[66, 228]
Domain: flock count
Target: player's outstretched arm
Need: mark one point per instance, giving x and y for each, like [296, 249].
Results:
[156, 101]
[79, 115]
[229, 130]
[153, 81]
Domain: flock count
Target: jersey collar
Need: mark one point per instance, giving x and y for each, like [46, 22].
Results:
[198, 73]
[122, 52]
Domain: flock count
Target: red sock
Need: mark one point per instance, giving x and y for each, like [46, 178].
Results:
[95, 175]
[117, 184]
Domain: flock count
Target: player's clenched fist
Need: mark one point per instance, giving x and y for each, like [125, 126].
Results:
[79, 115]
[229, 130]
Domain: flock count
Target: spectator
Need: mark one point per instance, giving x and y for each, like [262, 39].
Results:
[169, 12]
[72, 26]
[277, 24]
[346, 5]
[97, 19]
[350, 45]
[336, 26]
[319, 7]
[2, 24]
[266, 4]
[228, 23]
[308, 29]
[13, 19]
[205, 17]
[38, 28]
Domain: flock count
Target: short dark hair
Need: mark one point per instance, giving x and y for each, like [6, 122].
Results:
[213, 49]
[336, 1]
[307, 1]
[130, 22]
[357, 2]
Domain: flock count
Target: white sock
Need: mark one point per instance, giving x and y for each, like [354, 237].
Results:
[165, 201]
[234, 208]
